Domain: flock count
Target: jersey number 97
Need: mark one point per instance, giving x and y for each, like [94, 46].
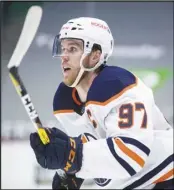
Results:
[126, 115]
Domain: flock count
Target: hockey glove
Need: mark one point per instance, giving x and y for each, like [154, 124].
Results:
[63, 152]
[68, 182]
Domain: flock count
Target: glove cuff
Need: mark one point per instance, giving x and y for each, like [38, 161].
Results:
[74, 162]
[79, 155]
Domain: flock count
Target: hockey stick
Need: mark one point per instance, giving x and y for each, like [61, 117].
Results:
[27, 35]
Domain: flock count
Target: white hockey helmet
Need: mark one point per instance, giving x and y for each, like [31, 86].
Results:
[94, 33]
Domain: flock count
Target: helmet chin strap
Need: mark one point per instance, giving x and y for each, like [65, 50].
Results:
[77, 78]
[82, 69]
[80, 72]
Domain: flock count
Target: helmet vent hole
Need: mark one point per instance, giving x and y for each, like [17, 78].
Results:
[73, 28]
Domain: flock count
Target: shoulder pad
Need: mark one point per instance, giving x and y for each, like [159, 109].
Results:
[111, 82]
[63, 98]
[65, 101]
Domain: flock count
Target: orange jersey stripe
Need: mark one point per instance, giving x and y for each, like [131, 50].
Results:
[113, 97]
[165, 176]
[84, 139]
[129, 152]
[63, 111]
[74, 97]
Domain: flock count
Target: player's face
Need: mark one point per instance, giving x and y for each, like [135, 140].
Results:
[71, 53]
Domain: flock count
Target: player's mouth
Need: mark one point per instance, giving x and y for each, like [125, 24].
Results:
[66, 70]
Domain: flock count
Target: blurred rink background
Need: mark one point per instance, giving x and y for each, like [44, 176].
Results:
[143, 34]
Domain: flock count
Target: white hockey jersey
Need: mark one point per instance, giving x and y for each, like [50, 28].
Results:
[132, 150]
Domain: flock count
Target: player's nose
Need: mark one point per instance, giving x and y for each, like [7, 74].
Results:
[65, 58]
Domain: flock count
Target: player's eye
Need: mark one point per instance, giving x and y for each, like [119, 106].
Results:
[72, 49]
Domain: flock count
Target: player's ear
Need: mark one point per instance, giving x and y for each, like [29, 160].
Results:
[95, 57]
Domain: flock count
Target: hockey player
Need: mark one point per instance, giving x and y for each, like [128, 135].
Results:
[124, 143]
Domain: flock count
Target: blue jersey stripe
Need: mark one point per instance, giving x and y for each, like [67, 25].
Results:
[106, 182]
[136, 143]
[122, 162]
[152, 173]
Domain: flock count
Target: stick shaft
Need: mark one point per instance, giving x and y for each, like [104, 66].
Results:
[27, 103]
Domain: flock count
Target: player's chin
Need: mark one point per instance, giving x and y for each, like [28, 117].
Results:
[68, 81]
[70, 78]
